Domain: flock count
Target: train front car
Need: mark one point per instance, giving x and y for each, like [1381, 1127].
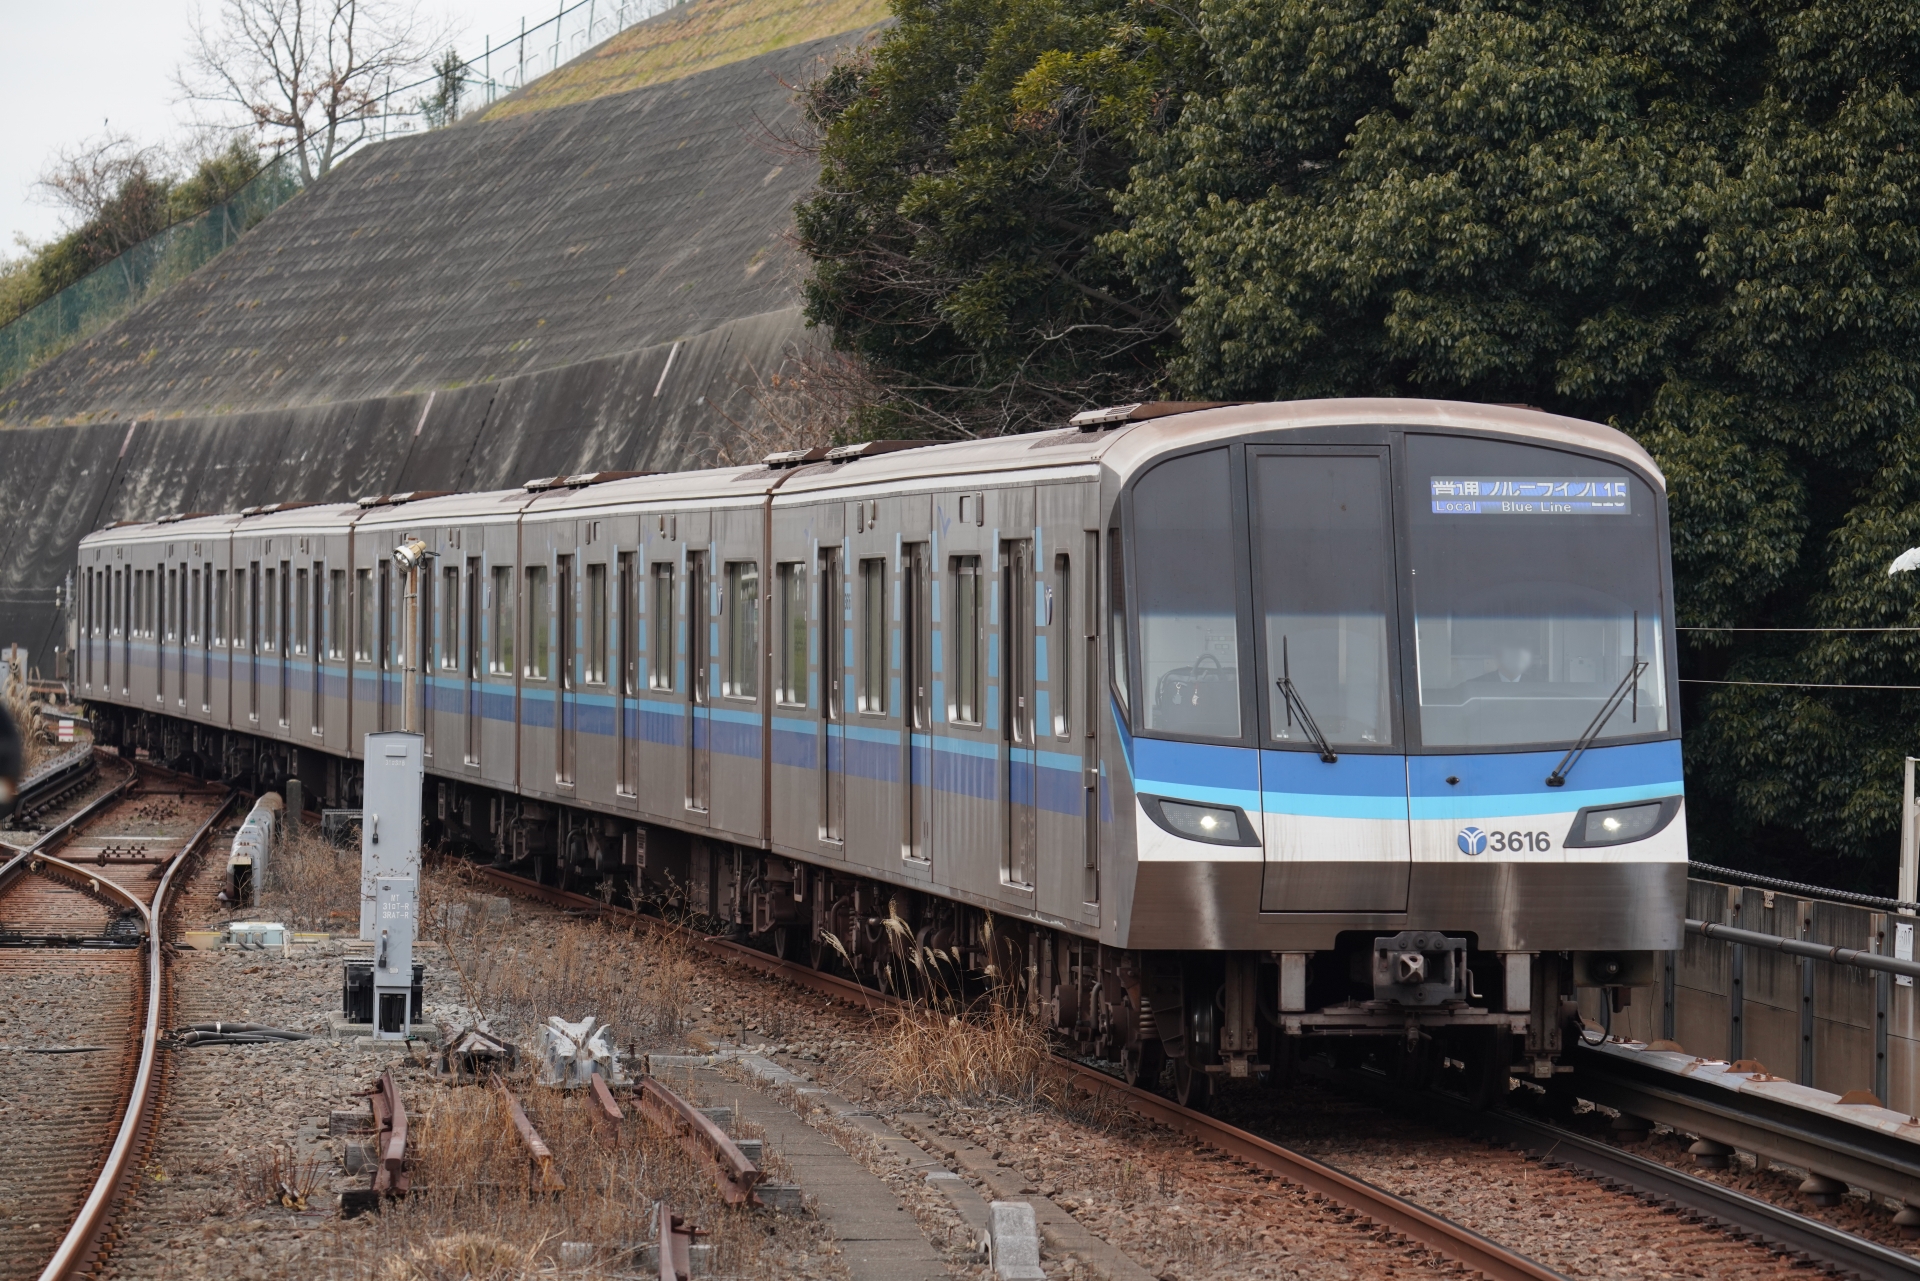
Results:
[1394, 693]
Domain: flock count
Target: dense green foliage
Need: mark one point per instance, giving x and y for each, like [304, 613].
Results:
[145, 203]
[1694, 221]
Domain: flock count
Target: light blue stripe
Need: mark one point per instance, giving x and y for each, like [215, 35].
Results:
[867, 734]
[1330, 805]
[1560, 801]
[967, 747]
[728, 714]
[795, 725]
[1249, 801]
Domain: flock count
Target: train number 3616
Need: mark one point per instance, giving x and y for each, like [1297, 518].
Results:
[1519, 842]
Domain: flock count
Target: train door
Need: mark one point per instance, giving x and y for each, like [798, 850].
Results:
[1019, 633]
[700, 647]
[566, 721]
[473, 588]
[163, 576]
[628, 677]
[1333, 776]
[1065, 761]
[598, 676]
[253, 641]
[283, 629]
[836, 638]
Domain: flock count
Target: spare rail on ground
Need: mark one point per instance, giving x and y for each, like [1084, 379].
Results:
[538, 1152]
[390, 1177]
[675, 1245]
[737, 1177]
[53, 783]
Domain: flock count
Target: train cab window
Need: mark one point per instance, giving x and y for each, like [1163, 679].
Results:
[336, 613]
[363, 607]
[1187, 598]
[539, 625]
[1117, 619]
[501, 622]
[791, 598]
[874, 633]
[741, 676]
[1324, 574]
[1537, 595]
[660, 635]
[596, 654]
[967, 633]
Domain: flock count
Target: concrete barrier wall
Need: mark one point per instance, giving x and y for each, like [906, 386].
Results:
[1845, 1001]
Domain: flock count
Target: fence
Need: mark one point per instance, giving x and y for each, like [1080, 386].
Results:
[476, 83]
[116, 287]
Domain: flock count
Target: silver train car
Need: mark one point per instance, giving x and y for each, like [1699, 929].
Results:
[1220, 731]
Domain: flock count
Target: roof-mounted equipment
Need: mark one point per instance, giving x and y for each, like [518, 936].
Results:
[873, 448]
[269, 509]
[794, 458]
[394, 500]
[580, 480]
[1114, 415]
[177, 517]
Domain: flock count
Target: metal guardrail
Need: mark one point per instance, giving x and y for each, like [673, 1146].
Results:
[1799, 947]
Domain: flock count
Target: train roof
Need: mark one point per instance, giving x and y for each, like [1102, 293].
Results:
[1121, 444]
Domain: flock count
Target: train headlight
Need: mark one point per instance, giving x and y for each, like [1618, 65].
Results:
[1621, 824]
[1217, 824]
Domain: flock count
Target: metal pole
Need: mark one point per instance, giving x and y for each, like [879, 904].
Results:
[1736, 1004]
[1672, 964]
[1882, 994]
[1806, 998]
[1909, 837]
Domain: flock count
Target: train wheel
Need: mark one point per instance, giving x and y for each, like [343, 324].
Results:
[1142, 1064]
[1192, 1084]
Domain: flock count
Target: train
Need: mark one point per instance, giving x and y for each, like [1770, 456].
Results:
[1215, 734]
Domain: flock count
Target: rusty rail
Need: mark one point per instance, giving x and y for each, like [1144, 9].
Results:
[605, 1112]
[736, 1176]
[675, 1246]
[537, 1150]
[81, 1238]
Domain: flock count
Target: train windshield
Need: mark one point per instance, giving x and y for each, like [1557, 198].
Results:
[1537, 595]
[1189, 601]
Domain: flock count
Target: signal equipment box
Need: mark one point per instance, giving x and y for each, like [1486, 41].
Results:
[390, 874]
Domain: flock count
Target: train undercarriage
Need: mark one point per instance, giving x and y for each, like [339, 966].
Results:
[1422, 1004]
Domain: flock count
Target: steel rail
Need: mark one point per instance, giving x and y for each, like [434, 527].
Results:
[1434, 1231]
[1723, 1206]
[83, 1236]
[52, 782]
[1800, 947]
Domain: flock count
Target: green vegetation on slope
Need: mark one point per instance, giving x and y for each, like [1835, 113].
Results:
[1700, 223]
[695, 36]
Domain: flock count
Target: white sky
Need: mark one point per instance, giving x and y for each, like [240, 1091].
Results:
[69, 71]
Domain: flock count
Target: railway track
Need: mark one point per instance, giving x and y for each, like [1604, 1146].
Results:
[56, 781]
[83, 995]
[1389, 1212]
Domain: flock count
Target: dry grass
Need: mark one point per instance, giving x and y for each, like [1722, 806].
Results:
[36, 736]
[307, 880]
[476, 1211]
[634, 977]
[992, 1052]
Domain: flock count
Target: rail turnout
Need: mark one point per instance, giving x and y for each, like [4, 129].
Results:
[82, 915]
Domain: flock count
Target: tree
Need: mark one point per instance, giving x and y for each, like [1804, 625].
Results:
[112, 190]
[969, 163]
[442, 107]
[308, 76]
[1698, 223]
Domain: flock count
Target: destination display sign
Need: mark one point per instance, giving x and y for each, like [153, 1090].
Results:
[1529, 496]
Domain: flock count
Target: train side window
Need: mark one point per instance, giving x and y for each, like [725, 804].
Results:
[629, 621]
[501, 654]
[299, 638]
[660, 639]
[336, 612]
[269, 635]
[450, 618]
[317, 621]
[473, 618]
[791, 592]
[741, 678]
[1117, 620]
[539, 625]
[220, 599]
[966, 630]
[873, 636]
[1187, 597]
[596, 654]
[1062, 674]
[363, 615]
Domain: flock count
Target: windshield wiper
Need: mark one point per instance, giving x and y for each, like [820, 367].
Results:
[1298, 705]
[1631, 681]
